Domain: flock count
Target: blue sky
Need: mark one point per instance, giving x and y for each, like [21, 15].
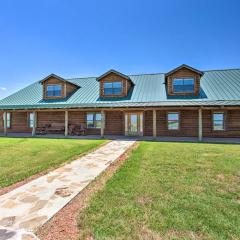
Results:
[74, 38]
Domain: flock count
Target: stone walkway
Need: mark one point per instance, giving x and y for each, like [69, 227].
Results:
[34, 203]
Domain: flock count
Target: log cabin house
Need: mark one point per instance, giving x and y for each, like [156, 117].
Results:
[184, 102]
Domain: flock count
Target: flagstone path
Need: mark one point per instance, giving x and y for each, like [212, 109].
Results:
[34, 203]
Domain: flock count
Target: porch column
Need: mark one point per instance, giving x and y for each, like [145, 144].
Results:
[154, 123]
[5, 123]
[34, 123]
[200, 124]
[66, 123]
[102, 123]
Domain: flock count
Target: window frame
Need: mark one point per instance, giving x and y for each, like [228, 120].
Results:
[184, 78]
[94, 121]
[112, 88]
[54, 96]
[9, 120]
[223, 121]
[31, 120]
[178, 121]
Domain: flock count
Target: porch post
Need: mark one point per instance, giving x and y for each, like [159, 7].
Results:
[34, 123]
[5, 123]
[102, 123]
[154, 123]
[200, 124]
[66, 123]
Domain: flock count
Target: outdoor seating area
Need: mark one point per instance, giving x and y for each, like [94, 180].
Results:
[76, 130]
[59, 128]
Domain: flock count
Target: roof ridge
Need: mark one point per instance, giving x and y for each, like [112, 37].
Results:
[79, 78]
[227, 69]
[145, 74]
[158, 73]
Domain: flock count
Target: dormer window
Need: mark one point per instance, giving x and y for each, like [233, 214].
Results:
[54, 90]
[183, 85]
[55, 87]
[114, 84]
[183, 81]
[112, 88]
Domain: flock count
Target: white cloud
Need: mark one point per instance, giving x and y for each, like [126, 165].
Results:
[3, 88]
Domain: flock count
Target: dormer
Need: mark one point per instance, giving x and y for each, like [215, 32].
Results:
[114, 84]
[55, 87]
[184, 81]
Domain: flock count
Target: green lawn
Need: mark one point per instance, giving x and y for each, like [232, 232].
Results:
[169, 191]
[23, 157]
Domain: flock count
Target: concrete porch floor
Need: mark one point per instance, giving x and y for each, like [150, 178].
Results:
[118, 137]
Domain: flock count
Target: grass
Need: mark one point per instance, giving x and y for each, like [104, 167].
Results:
[169, 191]
[21, 158]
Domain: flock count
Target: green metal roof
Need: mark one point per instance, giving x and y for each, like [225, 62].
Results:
[218, 87]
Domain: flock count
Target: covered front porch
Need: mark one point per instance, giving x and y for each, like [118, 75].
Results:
[192, 124]
[149, 123]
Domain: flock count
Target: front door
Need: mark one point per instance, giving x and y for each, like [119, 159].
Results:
[134, 124]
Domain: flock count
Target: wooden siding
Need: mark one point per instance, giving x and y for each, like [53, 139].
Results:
[114, 123]
[70, 88]
[44, 118]
[19, 123]
[148, 123]
[67, 88]
[232, 124]
[112, 77]
[183, 72]
[188, 125]
[77, 117]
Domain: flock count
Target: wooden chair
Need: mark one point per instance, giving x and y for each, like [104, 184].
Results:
[80, 130]
[71, 128]
[42, 129]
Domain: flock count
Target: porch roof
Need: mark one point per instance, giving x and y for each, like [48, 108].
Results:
[218, 87]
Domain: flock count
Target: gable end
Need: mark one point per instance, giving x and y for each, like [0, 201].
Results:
[67, 88]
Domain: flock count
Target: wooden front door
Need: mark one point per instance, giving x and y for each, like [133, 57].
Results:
[134, 124]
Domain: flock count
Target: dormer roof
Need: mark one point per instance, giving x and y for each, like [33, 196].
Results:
[184, 66]
[115, 72]
[52, 75]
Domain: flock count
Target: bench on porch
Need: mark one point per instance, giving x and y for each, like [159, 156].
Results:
[56, 128]
[50, 128]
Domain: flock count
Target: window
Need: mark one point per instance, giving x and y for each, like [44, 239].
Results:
[31, 120]
[218, 121]
[94, 120]
[173, 121]
[112, 88]
[54, 90]
[183, 85]
[8, 120]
